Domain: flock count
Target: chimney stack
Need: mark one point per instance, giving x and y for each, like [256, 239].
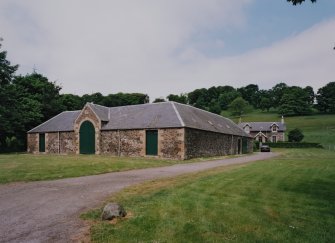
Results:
[282, 119]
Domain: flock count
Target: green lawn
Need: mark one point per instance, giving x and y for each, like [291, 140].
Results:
[29, 167]
[287, 199]
[316, 128]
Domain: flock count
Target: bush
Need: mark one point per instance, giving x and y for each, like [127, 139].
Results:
[294, 145]
[295, 135]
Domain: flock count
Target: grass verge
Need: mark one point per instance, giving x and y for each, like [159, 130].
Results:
[286, 199]
[28, 167]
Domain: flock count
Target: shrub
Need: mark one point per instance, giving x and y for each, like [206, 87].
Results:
[294, 145]
[295, 135]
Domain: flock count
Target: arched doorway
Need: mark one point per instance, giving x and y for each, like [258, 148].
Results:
[87, 138]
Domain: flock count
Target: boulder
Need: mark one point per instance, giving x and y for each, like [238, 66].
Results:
[113, 210]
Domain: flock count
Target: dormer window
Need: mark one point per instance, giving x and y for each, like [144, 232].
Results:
[247, 129]
[274, 128]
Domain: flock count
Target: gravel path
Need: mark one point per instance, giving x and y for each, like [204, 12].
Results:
[48, 211]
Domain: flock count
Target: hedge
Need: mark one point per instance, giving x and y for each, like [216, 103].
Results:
[293, 145]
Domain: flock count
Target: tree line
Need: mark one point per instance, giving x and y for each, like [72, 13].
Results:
[281, 98]
[27, 101]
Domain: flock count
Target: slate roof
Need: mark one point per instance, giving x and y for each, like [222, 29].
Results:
[146, 116]
[263, 126]
[63, 122]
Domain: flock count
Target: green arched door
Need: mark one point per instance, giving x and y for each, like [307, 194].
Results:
[87, 138]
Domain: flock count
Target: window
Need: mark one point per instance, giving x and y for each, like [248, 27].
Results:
[247, 129]
[274, 128]
[274, 139]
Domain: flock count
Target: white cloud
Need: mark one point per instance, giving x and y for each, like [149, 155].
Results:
[151, 46]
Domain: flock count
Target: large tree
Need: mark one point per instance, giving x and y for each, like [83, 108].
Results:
[7, 72]
[326, 98]
[239, 107]
[295, 101]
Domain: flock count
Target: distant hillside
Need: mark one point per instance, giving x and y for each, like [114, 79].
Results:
[316, 128]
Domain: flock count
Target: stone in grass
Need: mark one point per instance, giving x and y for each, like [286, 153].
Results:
[113, 210]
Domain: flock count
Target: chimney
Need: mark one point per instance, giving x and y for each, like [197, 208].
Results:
[282, 119]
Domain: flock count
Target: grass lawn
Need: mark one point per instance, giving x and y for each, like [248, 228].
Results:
[287, 199]
[29, 167]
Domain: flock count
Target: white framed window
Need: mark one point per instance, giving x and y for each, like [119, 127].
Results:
[274, 128]
[247, 129]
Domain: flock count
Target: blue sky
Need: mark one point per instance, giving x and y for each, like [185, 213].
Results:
[160, 47]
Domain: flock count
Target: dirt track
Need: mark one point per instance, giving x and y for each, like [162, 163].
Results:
[48, 211]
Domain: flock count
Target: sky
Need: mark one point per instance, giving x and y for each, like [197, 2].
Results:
[159, 47]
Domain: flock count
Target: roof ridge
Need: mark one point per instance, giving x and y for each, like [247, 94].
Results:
[182, 123]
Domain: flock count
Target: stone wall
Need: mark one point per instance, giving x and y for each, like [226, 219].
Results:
[68, 143]
[87, 114]
[110, 142]
[51, 143]
[123, 143]
[200, 143]
[32, 141]
[171, 143]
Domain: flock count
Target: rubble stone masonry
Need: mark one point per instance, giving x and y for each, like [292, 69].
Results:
[199, 143]
[32, 140]
[171, 143]
[52, 143]
[67, 143]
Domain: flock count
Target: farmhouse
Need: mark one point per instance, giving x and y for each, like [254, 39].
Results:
[265, 131]
[166, 130]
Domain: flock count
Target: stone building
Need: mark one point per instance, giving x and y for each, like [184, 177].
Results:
[265, 131]
[166, 130]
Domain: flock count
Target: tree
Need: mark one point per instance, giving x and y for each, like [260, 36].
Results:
[295, 101]
[265, 104]
[295, 2]
[295, 135]
[277, 93]
[158, 100]
[7, 72]
[239, 107]
[250, 94]
[214, 107]
[326, 98]
[70, 102]
[227, 97]
[182, 98]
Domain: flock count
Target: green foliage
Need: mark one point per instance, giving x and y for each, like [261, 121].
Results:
[158, 100]
[182, 98]
[239, 107]
[295, 135]
[295, 101]
[326, 98]
[286, 199]
[294, 145]
[295, 2]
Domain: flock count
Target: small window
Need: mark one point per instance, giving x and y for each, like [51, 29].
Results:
[274, 139]
[274, 128]
[247, 129]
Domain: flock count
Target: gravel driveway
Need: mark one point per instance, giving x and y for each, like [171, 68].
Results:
[48, 211]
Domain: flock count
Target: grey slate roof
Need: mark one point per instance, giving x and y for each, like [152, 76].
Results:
[63, 122]
[263, 126]
[146, 116]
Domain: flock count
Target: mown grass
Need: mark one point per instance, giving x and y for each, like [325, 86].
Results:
[28, 167]
[286, 199]
[316, 128]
